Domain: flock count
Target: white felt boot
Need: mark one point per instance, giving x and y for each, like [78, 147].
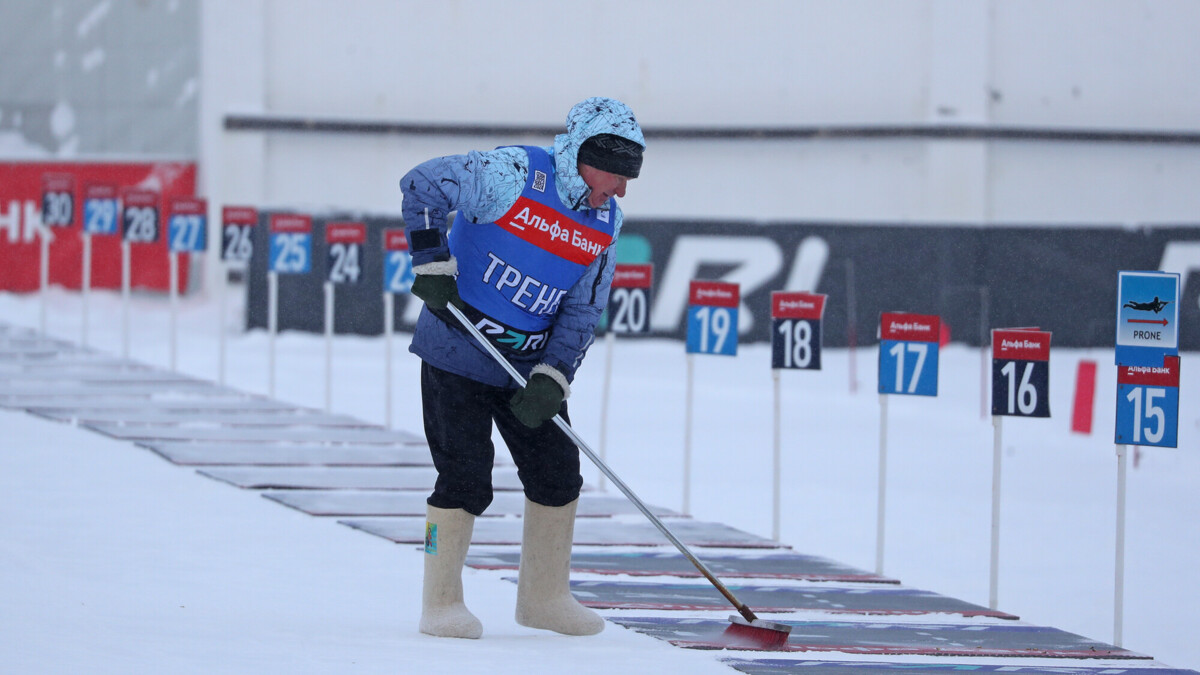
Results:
[447, 536]
[544, 597]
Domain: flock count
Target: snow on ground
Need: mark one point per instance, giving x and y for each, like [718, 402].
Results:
[117, 561]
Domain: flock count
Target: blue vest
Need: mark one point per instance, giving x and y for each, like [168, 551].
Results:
[514, 272]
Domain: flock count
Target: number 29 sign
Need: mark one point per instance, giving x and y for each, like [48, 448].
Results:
[712, 318]
[908, 353]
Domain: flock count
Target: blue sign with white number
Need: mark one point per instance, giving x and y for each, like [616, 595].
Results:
[398, 272]
[712, 318]
[1148, 404]
[100, 215]
[908, 354]
[187, 226]
[291, 244]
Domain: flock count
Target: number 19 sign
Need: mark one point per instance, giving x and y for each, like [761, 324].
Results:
[796, 330]
[712, 318]
[908, 353]
[1148, 404]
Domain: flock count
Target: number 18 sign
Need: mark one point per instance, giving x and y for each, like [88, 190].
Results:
[908, 353]
[1148, 404]
[796, 330]
[712, 318]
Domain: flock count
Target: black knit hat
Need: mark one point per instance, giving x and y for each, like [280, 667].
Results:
[612, 153]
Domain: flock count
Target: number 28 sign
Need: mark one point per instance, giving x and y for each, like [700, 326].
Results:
[908, 353]
[712, 318]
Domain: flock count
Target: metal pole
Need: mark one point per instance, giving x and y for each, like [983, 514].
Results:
[328, 346]
[1119, 580]
[389, 309]
[125, 282]
[85, 286]
[609, 341]
[994, 577]
[222, 291]
[881, 507]
[173, 293]
[272, 328]
[778, 443]
[687, 437]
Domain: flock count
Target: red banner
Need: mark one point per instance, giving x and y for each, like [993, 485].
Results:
[21, 185]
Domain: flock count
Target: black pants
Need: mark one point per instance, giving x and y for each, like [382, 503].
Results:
[459, 413]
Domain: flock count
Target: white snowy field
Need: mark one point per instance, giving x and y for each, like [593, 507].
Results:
[118, 561]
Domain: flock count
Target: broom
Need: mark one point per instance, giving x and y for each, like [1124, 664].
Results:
[745, 631]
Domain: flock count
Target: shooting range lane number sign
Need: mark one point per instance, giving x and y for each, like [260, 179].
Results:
[908, 353]
[1021, 372]
[796, 330]
[629, 300]
[291, 243]
[237, 233]
[58, 200]
[1148, 404]
[100, 207]
[1147, 318]
[187, 225]
[139, 216]
[344, 244]
[398, 275]
[712, 318]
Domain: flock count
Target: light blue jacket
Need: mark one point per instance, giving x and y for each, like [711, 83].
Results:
[483, 186]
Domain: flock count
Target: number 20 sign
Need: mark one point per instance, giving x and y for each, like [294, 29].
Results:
[908, 353]
[796, 330]
[1021, 373]
[712, 318]
[629, 302]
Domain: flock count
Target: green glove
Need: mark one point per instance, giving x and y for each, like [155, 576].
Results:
[537, 401]
[437, 290]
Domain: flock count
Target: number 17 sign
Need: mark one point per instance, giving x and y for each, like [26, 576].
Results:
[908, 353]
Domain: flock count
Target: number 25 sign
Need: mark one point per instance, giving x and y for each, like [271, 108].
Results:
[908, 353]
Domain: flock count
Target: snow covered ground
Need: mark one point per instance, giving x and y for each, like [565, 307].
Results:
[117, 561]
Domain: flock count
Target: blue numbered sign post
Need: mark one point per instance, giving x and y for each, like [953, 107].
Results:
[291, 243]
[796, 330]
[139, 217]
[100, 209]
[187, 225]
[713, 318]
[1021, 373]
[1148, 404]
[398, 273]
[908, 354]
[1147, 318]
[398, 277]
[629, 301]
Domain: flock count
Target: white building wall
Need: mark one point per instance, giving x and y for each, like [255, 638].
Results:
[1071, 64]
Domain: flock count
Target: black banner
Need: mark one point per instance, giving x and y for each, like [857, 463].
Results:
[1060, 279]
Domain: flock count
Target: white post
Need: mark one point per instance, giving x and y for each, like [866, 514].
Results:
[994, 578]
[687, 437]
[328, 346]
[125, 283]
[44, 275]
[882, 505]
[173, 286]
[85, 286]
[609, 341]
[389, 314]
[1119, 581]
[777, 482]
[222, 291]
[272, 328]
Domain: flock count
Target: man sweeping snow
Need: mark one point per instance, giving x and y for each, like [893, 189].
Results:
[529, 261]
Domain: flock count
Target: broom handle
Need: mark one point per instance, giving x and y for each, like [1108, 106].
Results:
[616, 480]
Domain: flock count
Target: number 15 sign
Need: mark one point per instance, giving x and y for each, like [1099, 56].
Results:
[908, 353]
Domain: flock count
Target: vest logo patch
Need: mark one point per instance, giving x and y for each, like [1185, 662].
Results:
[539, 180]
[602, 215]
[550, 231]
